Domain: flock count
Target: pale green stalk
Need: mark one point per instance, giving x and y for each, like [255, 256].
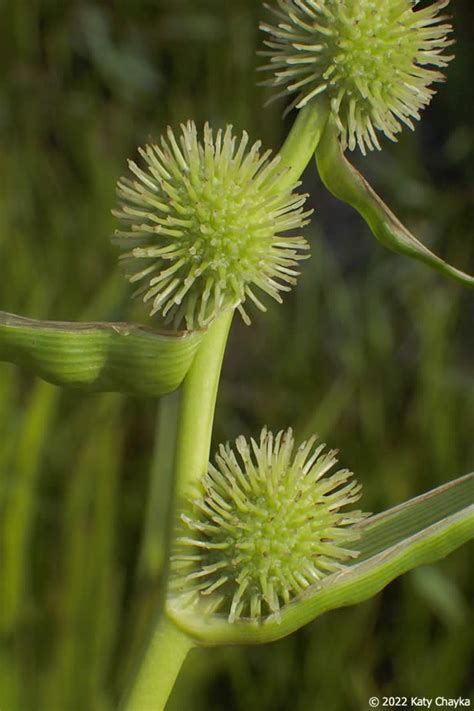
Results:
[153, 556]
[168, 646]
[160, 491]
[160, 667]
[198, 405]
[301, 143]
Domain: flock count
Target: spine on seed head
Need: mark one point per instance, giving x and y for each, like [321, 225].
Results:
[375, 61]
[267, 523]
[205, 226]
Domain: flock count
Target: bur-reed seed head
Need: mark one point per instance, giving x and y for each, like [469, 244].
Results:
[265, 525]
[205, 226]
[374, 60]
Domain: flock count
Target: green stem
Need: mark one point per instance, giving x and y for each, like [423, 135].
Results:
[152, 568]
[169, 646]
[154, 546]
[160, 667]
[198, 405]
[302, 141]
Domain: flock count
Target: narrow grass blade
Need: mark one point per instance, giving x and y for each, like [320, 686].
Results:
[347, 184]
[420, 531]
[85, 633]
[108, 357]
[18, 510]
[20, 474]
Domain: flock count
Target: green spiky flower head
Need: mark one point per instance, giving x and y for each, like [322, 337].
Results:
[266, 525]
[205, 226]
[374, 60]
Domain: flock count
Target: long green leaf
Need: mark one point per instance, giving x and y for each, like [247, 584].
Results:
[19, 508]
[107, 357]
[415, 533]
[347, 184]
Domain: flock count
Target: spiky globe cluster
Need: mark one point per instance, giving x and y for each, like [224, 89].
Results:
[205, 224]
[262, 529]
[375, 60]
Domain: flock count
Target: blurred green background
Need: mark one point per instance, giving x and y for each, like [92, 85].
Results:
[371, 351]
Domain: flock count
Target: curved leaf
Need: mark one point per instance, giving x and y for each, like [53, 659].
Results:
[347, 184]
[107, 357]
[417, 532]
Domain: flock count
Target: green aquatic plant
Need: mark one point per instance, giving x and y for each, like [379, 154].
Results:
[260, 542]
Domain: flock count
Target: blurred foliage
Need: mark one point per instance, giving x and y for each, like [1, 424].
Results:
[371, 351]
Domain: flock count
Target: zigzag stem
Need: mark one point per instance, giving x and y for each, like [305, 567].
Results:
[153, 679]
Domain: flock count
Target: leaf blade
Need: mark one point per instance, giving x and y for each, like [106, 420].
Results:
[449, 511]
[99, 356]
[347, 184]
